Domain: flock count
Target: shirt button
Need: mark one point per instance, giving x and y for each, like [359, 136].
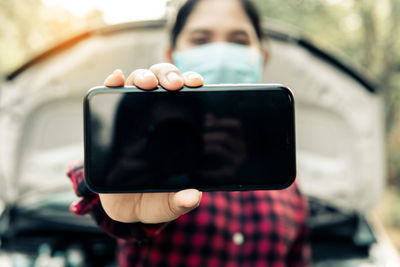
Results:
[238, 238]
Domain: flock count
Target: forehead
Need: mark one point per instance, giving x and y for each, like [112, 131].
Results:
[218, 15]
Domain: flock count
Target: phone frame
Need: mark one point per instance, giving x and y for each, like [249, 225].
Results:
[206, 88]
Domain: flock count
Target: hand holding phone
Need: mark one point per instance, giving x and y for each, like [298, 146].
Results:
[151, 207]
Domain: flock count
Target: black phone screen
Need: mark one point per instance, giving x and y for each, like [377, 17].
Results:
[211, 138]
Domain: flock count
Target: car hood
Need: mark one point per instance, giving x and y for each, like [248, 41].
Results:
[339, 115]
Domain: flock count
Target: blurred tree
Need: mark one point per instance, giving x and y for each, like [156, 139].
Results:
[15, 18]
[367, 32]
[28, 27]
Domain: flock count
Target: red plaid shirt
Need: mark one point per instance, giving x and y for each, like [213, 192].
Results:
[254, 228]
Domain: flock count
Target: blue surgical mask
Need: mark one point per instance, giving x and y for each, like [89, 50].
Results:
[222, 62]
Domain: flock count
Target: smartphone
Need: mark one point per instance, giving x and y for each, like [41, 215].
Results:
[216, 137]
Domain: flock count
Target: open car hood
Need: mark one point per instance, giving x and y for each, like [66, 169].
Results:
[339, 115]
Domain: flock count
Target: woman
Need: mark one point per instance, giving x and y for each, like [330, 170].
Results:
[212, 42]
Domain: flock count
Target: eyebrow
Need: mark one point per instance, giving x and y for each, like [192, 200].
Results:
[209, 32]
[239, 32]
[200, 31]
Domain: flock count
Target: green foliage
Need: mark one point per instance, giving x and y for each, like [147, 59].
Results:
[323, 22]
[365, 31]
[28, 27]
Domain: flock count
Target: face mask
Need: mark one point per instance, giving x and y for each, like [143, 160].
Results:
[221, 63]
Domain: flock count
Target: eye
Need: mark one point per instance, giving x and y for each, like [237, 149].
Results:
[241, 41]
[239, 37]
[199, 40]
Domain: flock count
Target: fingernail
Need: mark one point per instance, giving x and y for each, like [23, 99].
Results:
[117, 71]
[172, 76]
[147, 74]
[194, 75]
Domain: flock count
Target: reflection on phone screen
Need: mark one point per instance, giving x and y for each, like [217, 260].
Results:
[207, 140]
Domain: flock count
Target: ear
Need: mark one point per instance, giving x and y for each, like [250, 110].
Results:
[168, 55]
[265, 54]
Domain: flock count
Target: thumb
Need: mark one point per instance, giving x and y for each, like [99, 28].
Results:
[184, 201]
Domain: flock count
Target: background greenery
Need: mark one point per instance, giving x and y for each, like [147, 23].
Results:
[366, 32]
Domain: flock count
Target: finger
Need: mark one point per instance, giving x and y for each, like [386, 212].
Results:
[168, 76]
[165, 207]
[142, 78]
[120, 207]
[149, 207]
[116, 79]
[193, 79]
[184, 201]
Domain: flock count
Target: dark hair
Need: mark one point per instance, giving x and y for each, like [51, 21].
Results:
[185, 11]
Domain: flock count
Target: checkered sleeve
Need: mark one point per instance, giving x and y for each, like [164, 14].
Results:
[89, 203]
